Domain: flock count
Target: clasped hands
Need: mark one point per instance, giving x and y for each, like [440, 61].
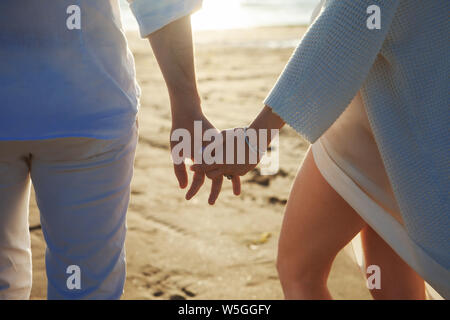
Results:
[231, 157]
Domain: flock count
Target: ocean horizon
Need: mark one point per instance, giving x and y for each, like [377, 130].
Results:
[235, 14]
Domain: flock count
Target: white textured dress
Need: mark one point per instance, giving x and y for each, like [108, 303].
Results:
[348, 158]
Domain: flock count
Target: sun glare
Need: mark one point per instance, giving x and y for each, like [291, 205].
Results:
[218, 14]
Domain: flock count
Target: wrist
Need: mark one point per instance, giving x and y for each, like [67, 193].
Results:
[186, 106]
[270, 123]
[267, 119]
[184, 95]
[255, 146]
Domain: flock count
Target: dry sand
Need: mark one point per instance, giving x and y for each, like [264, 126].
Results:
[189, 249]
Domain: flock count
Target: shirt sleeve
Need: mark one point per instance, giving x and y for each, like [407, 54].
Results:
[152, 15]
[329, 65]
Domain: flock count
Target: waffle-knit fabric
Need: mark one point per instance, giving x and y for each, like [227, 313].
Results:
[402, 70]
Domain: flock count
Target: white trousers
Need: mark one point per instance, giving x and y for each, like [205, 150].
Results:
[82, 190]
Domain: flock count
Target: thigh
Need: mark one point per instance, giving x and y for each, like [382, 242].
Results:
[15, 251]
[82, 190]
[398, 280]
[317, 224]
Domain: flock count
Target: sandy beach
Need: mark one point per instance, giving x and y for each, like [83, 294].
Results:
[191, 250]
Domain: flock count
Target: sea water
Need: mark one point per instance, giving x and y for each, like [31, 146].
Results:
[232, 14]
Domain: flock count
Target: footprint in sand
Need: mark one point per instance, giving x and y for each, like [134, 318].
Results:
[265, 180]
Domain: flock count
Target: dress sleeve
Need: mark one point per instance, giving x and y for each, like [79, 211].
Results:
[329, 65]
[152, 15]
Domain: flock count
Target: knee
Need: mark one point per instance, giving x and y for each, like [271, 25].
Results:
[301, 270]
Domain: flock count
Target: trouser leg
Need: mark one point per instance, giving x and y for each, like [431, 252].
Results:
[82, 190]
[15, 250]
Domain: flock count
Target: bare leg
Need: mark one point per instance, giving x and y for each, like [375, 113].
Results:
[398, 280]
[317, 224]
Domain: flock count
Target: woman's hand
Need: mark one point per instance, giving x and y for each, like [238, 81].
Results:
[237, 158]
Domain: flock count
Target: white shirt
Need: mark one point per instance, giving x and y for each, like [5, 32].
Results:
[66, 70]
